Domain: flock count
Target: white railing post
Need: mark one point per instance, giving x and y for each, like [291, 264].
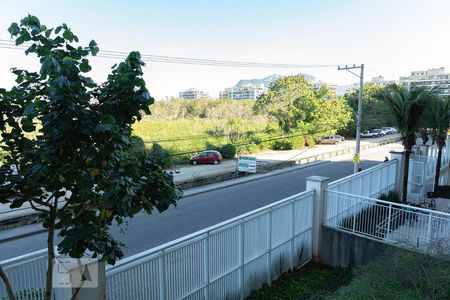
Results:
[162, 276]
[429, 228]
[207, 279]
[242, 260]
[318, 184]
[292, 235]
[269, 273]
[389, 222]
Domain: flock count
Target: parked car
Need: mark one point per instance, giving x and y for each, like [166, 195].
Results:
[380, 132]
[369, 134]
[388, 130]
[392, 130]
[340, 137]
[332, 139]
[207, 157]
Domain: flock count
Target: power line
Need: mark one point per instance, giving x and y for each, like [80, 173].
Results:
[7, 44]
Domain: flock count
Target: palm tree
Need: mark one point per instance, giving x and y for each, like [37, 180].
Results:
[437, 116]
[407, 106]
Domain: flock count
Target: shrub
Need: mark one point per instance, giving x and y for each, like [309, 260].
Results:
[282, 145]
[228, 151]
[161, 155]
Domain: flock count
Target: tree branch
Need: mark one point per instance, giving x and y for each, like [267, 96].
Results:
[36, 208]
[7, 283]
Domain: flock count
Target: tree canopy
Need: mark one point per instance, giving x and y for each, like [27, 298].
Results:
[297, 104]
[375, 114]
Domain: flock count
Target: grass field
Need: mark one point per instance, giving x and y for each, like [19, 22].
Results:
[195, 134]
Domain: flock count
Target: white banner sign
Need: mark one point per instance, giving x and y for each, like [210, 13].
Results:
[247, 164]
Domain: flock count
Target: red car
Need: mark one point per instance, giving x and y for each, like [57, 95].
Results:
[207, 157]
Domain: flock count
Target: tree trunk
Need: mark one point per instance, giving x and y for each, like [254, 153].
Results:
[405, 175]
[9, 289]
[438, 165]
[51, 255]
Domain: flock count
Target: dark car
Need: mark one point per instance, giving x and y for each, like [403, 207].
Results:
[207, 157]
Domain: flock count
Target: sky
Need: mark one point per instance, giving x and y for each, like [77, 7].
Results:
[391, 37]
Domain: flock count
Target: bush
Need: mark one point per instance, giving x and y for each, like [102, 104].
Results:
[228, 151]
[249, 149]
[161, 155]
[282, 145]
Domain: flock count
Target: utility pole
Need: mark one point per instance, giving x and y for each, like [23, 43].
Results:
[356, 158]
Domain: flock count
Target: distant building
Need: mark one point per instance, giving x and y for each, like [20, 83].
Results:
[193, 94]
[379, 80]
[249, 91]
[431, 78]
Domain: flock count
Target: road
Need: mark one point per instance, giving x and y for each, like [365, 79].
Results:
[202, 210]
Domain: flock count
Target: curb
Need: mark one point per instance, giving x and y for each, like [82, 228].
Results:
[238, 181]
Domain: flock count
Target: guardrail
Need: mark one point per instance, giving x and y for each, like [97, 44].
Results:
[405, 226]
[227, 260]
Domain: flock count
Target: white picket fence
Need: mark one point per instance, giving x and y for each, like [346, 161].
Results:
[225, 261]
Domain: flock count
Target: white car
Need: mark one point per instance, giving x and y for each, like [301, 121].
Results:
[369, 134]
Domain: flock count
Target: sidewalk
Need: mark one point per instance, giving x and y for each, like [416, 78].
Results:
[269, 159]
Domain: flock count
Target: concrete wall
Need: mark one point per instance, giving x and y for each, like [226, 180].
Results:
[340, 249]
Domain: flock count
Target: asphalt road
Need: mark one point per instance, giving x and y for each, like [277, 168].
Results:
[199, 211]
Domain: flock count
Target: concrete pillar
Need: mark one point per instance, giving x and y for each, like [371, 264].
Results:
[400, 157]
[93, 284]
[318, 184]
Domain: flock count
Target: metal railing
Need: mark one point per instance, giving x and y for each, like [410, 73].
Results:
[225, 261]
[369, 183]
[372, 182]
[27, 274]
[405, 226]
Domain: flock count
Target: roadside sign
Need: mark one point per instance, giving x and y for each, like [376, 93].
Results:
[247, 164]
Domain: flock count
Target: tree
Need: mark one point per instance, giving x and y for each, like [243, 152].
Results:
[407, 107]
[375, 114]
[297, 105]
[68, 145]
[437, 118]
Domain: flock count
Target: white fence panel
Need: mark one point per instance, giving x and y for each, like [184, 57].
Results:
[225, 261]
[27, 274]
[370, 183]
[405, 226]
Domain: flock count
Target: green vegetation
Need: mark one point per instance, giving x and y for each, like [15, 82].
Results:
[374, 111]
[297, 105]
[394, 274]
[437, 118]
[310, 282]
[64, 133]
[292, 114]
[399, 274]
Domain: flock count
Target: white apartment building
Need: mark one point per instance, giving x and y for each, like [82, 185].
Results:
[193, 94]
[250, 91]
[430, 78]
[379, 80]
